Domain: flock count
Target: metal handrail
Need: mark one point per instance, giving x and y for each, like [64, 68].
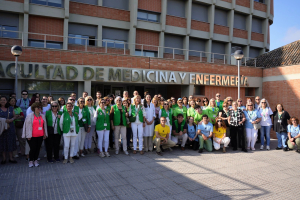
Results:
[212, 56]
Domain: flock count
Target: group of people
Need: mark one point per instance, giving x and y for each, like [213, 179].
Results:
[198, 123]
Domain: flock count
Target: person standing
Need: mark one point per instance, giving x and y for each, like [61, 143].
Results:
[24, 102]
[180, 109]
[127, 104]
[85, 94]
[252, 117]
[98, 98]
[135, 93]
[8, 137]
[89, 103]
[54, 133]
[191, 111]
[125, 95]
[223, 114]
[102, 121]
[185, 102]
[212, 111]
[69, 125]
[192, 134]
[240, 104]
[281, 120]
[137, 114]
[219, 102]
[257, 102]
[149, 128]
[35, 131]
[74, 96]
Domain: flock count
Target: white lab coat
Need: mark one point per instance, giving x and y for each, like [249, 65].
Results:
[150, 113]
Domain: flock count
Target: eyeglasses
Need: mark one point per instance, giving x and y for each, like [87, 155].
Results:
[293, 120]
[71, 99]
[250, 105]
[39, 107]
[264, 102]
[205, 101]
[81, 101]
[90, 99]
[229, 100]
[219, 121]
[218, 95]
[103, 102]
[54, 106]
[24, 94]
[257, 99]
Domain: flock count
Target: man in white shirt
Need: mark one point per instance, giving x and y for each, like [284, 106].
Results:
[85, 94]
[98, 98]
[135, 93]
[45, 104]
[74, 96]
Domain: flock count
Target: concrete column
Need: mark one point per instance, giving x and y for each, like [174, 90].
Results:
[246, 51]
[266, 32]
[249, 27]
[21, 24]
[230, 20]
[187, 90]
[268, 2]
[211, 20]
[26, 6]
[228, 53]
[87, 85]
[251, 6]
[66, 6]
[100, 2]
[186, 45]
[188, 15]
[80, 88]
[66, 33]
[99, 36]
[133, 6]
[208, 48]
[163, 14]
[25, 30]
[161, 44]
[233, 4]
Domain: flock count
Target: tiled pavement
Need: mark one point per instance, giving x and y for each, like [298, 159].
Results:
[176, 175]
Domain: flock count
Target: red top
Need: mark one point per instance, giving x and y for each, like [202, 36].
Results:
[38, 126]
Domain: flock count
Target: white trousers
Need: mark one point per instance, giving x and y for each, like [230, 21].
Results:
[224, 141]
[67, 141]
[251, 136]
[89, 138]
[184, 138]
[79, 143]
[137, 130]
[103, 136]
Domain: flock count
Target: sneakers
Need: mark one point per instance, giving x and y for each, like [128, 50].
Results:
[261, 147]
[101, 154]
[224, 149]
[107, 154]
[36, 163]
[71, 160]
[30, 164]
[159, 153]
[268, 148]
[126, 153]
[117, 152]
[285, 149]
[65, 161]
[82, 155]
[278, 148]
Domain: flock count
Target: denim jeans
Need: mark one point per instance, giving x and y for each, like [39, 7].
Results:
[265, 130]
[281, 136]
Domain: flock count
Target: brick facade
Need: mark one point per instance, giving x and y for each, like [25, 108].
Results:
[153, 5]
[240, 33]
[99, 11]
[229, 1]
[224, 30]
[245, 3]
[257, 37]
[45, 25]
[200, 26]
[211, 91]
[260, 6]
[176, 21]
[147, 37]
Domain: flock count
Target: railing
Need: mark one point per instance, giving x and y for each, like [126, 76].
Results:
[124, 48]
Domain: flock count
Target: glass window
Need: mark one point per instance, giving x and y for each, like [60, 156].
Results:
[36, 44]
[37, 85]
[49, 45]
[62, 86]
[146, 53]
[54, 3]
[113, 43]
[78, 39]
[147, 16]
[142, 16]
[7, 31]
[260, 1]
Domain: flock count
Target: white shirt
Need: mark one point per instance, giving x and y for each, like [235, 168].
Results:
[137, 116]
[265, 116]
[150, 112]
[46, 108]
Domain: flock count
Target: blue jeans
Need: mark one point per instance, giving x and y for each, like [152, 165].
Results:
[265, 130]
[281, 139]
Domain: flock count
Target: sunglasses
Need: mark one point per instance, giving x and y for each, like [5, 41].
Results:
[218, 95]
[103, 102]
[198, 101]
[166, 104]
[71, 99]
[257, 99]
[250, 105]
[229, 100]
[179, 101]
[90, 99]
[263, 102]
[24, 94]
[203, 101]
[81, 101]
[219, 121]
[54, 106]
[240, 101]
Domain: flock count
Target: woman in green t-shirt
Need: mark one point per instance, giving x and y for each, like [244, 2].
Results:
[212, 110]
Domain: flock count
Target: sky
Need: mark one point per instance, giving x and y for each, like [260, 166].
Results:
[286, 24]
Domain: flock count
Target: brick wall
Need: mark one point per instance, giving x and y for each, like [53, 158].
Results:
[176, 21]
[211, 91]
[10, 41]
[147, 37]
[260, 6]
[98, 11]
[224, 30]
[229, 1]
[245, 3]
[240, 33]
[272, 7]
[45, 25]
[200, 26]
[20, 1]
[153, 5]
[176, 56]
[257, 37]
[276, 71]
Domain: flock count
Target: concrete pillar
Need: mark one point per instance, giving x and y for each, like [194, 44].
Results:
[251, 7]
[186, 45]
[233, 4]
[188, 15]
[66, 6]
[80, 88]
[21, 25]
[246, 50]
[163, 15]
[266, 32]
[66, 33]
[208, 48]
[25, 30]
[99, 36]
[228, 53]
[161, 44]
[87, 85]
[100, 2]
[133, 7]
[211, 20]
[249, 27]
[187, 90]
[230, 20]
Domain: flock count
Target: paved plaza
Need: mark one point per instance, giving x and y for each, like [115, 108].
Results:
[176, 175]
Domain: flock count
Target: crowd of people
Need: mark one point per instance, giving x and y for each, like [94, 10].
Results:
[112, 122]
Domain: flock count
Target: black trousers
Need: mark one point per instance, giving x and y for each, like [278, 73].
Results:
[237, 131]
[35, 144]
[111, 139]
[52, 143]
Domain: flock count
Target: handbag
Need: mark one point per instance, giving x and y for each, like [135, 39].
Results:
[19, 124]
[50, 129]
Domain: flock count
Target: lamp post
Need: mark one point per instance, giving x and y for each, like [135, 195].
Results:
[238, 55]
[16, 51]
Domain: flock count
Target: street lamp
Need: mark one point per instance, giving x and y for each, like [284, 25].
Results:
[16, 51]
[238, 55]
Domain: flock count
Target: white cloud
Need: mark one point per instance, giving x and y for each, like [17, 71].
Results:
[291, 35]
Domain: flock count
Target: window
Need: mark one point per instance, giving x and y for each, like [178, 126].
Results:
[219, 48]
[200, 12]
[54, 3]
[256, 25]
[113, 43]
[92, 2]
[78, 39]
[82, 34]
[221, 17]
[176, 8]
[239, 21]
[49, 45]
[151, 17]
[173, 41]
[6, 31]
[197, 45]
[260, 1]
[118, 4]
[146, 53]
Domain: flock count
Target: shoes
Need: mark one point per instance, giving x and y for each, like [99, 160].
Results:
[30, 164]
[129, 148]
[16, 156]
[126, 153]
[65, 161]
[39, 159]
[285, 149]
[261, 147]
[57, 160]
[161, 148]
[159, 153]
[134, 152]
[101, 154]
[12, 161]
[85, 151]
[76, 157]
[268, 148]
[182, 148]
[117, 152]
[3, 162]
[82, 155]
[107, 154]
[200, 151]
[234, 149]
[50, 161]
[170, 149]
[142, 152]
[71, 160]
[36, 163]
[253, 149]
[278, 148]
[298, 151]
[224, 149]
[244, 150]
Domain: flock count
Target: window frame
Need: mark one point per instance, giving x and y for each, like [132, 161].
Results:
[148, 13]
[119, 42]
[42, 41]
[39, 2]
[146, 51]
[9, 31]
